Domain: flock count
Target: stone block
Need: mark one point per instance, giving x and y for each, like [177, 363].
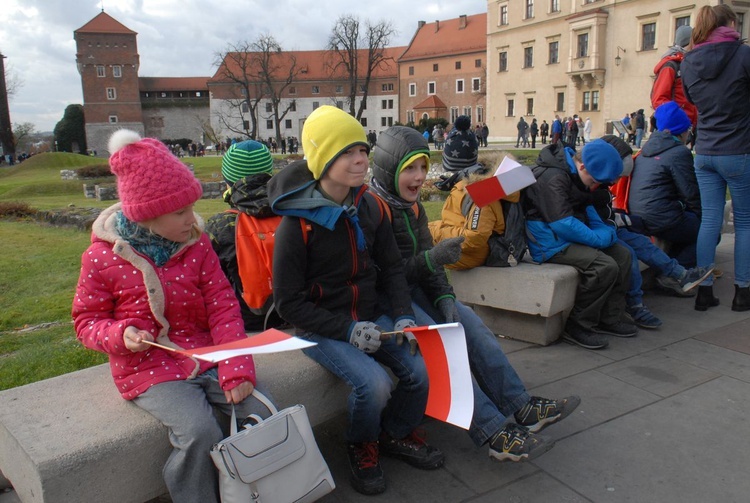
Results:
[532, 328]
[106, 192]
[89, 190]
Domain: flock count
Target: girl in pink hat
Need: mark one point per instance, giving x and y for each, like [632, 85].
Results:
[151, 274]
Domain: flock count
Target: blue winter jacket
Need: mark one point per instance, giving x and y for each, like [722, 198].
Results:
[557, 207]
[716, 77]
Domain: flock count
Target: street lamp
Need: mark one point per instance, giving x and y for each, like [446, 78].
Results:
[618, 59]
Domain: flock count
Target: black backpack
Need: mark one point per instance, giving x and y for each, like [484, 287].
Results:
[509, 248]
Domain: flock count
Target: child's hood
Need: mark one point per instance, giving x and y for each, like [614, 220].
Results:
[394, 144]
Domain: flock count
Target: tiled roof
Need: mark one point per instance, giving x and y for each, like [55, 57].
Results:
[446, 38]
[173, 83]
[104, 23]
[430, 103]
[316, 65]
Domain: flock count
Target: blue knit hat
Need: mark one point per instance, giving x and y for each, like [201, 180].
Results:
[671, 117]
[246, 158]
[602, 161]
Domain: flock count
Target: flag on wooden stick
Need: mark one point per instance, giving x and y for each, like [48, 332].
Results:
[509, 177]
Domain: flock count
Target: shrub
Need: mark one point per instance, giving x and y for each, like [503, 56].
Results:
[16, 210]
[94, 171]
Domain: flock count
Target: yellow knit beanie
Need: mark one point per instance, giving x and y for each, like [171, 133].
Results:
[329, 132]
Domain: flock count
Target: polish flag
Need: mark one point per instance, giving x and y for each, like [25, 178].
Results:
[269, 341]
[451, 397]
[509, 177]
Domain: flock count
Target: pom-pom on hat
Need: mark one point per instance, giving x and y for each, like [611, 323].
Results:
[461, 147]
[329, 132]
[150, 180]
[602, 161]
[670, 116]
[246, 158]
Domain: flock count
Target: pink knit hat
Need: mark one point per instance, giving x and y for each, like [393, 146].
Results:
[150, 180]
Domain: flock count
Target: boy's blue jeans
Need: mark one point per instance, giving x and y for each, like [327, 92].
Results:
[373, 403]
[715, 173]
[498, 390]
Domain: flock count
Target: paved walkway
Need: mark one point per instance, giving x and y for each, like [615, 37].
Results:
[664, 419]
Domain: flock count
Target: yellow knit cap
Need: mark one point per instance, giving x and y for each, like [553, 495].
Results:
[328, 132]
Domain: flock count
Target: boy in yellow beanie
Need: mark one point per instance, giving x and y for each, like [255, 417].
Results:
[332, 247]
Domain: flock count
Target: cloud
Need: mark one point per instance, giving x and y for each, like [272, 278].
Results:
[176, 38]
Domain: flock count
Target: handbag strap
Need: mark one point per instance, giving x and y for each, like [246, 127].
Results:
[262, 399]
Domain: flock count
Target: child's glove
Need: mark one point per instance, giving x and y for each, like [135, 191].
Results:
[447, 307]
[365, 336]
[410, 337]
[447, 251]
[622, 220]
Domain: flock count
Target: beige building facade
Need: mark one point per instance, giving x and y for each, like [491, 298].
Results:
[591, 58]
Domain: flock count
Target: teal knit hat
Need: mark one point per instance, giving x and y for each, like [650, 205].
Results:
[244, 159]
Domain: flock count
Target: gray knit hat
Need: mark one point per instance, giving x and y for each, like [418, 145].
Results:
[682, 36]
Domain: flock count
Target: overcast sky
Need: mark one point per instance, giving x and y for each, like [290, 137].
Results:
[176, 38]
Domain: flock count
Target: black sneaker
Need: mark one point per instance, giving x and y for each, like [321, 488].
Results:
[540, 412]
[619, 329]
[367, 475]
[516, 443]
[413, 449]
[584, 338]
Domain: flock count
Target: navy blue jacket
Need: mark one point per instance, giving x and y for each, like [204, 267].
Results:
[716, 77]
[663, 184]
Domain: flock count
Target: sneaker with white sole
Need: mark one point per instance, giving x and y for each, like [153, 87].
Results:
[516, 443]
[694, 277]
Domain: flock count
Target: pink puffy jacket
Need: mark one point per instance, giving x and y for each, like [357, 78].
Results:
[187, 303]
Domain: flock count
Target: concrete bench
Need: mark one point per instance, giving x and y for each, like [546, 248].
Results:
[73, 439]
[529, 302]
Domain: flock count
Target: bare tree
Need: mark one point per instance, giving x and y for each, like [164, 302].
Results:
[236, 69]
[357, 55]
[277, 70]
[23, 133]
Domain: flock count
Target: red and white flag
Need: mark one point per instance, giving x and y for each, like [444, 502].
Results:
[269, 341]
[451, 397]
[509, 177]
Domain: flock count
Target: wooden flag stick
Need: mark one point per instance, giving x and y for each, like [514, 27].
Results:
[159, 345]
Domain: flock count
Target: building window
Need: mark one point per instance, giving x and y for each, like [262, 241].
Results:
[528, 57]
[412, 89]
[511, 108]
[467, 112]
[411, 70]
[480, 114]
[362, 88]
[269, 107]
[293, 106]
[476, 84]
[288, 124]
[386, 104]
[503, 15]
[560, 102]
[100, 71]
[594, 100]
[316, 89]
[477, 63]
[243, 107]
[163, 95]
[197, 94]
[315, 105]
[459, 85]
[583, 45]
[529, 106]
[292, 90]
[554, 5]
[340, 104]
[245, 125]
[503, 66]
[387, 87]
[648, 33]
[410, 116]
[554, 53]
[740, 23]
[117, 71]
[454, 114]
[339, 89]
[586, 105]
[113, 119]
[111, 93]
[529, 11]
[430, 88]
[383, 121]
[269, 124]
[363, 121]
[458, 65]
[434, 67]
[683, 21]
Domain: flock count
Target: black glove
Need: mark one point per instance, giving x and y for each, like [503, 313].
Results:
[446, 251]
[447, 307]
[601, 198]
[365, 336]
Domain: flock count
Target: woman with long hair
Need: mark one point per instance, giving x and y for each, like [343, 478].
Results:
[716, 77]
